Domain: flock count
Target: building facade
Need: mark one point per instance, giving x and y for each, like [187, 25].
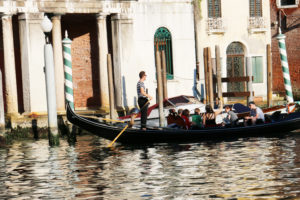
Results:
[242, 31]
[131, 31]
[125, 29]
[286, 15]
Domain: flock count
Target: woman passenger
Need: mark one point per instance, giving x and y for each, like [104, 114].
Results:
[209, 118]
[185, 115]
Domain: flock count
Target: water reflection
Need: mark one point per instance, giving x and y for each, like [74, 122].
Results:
[249, 168]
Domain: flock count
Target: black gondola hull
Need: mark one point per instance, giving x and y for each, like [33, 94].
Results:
[274, 129]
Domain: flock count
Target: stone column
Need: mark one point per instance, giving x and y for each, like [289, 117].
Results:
[117, 58]
[58, 62]
[32, 40]
[103, 51]
[9, 66]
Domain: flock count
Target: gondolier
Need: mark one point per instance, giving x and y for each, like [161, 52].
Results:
[143, 99]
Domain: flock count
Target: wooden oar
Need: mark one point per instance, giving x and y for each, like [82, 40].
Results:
[118, 136]
[131, 123]
[145, 104]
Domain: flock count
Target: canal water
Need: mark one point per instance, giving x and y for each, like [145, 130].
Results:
[252, 168]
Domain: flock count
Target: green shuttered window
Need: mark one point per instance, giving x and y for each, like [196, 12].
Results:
[257, 69]
[214, 8]
[255, 8]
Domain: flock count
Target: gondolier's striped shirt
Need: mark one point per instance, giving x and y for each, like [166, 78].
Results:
[138, 87]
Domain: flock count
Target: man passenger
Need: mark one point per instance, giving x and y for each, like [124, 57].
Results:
[256, 115]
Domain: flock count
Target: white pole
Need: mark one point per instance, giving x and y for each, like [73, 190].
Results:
[51, 95]
[2, 116]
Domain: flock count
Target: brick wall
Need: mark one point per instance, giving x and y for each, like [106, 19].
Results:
[291, 29]
[82, 30]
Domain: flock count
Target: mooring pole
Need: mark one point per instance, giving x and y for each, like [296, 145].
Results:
[210, 78]
[160, 90]
[50, 85]
[219, 74]
[250, 75]
[285, 67]
[164, 74]
[269, 71]
[206, 74]
[2, 115]
[68, 70]
[110, 88]
[69, 94]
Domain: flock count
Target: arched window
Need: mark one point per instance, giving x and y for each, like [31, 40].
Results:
[163, 41]
[235, 66]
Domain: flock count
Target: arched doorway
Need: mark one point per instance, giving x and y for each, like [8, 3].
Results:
[163, 41]
[235, 66]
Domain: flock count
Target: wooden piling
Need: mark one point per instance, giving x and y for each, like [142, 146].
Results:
[160, 90]
[269, 78]
[219, 73]
[2, 115]
[205, 74]
[110, 87]
[249, 73]
[210, 78]
[164, 74]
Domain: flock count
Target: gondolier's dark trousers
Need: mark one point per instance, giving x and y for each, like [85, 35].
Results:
[144, 108]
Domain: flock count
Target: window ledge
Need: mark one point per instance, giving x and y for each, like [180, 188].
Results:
[216, 31]
[257, 30]
[289, 6]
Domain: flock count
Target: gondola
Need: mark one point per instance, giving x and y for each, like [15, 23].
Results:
[279, 126]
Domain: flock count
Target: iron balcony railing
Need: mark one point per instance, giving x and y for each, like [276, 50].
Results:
[257, 24]
[215, 25]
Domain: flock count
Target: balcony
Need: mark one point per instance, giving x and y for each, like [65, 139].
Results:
[257, 25]
[215, 26]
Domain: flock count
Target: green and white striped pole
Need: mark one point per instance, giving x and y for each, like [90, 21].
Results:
[285, 67]
[68, 70]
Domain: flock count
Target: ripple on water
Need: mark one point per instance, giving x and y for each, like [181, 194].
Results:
[248, 168]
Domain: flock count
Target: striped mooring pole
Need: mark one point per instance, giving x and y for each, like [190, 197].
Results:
[285, 67]
[68, 70]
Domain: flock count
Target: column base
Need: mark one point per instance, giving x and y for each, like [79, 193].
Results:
[104, 109]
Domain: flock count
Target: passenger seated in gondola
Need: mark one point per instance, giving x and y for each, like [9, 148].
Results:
[209, 118]
[231, 119]
[197, 120]
[174, 120]
[185, 115]
[217, 103]
[179, 112]
[256, 115]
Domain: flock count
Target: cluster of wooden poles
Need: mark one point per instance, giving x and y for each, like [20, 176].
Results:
[214, 81]
[161, 75]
